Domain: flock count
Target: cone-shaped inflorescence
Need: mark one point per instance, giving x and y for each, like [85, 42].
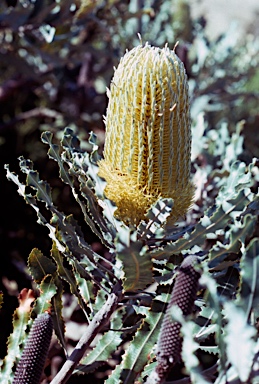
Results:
[183, 296]
[31, 364]
[148, 134]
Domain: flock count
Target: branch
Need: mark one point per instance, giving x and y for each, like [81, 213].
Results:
[95, 326]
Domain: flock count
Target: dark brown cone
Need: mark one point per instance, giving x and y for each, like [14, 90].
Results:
[183, 296]
[31, 364]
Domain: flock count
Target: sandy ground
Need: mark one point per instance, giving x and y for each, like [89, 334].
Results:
[221, 14]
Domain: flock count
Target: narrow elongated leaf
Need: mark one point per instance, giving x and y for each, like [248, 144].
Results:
[236, 237]
[73, 164]
[207, 227]
[69, 238]
[240, 343]
[58, 321]
[67, 275]
[249, 291]
[14, 178]
[189, 350]
[156, 216]
[214, 315]
[230, 204]
[106, 345]
[54, 153]
[15, 343]
[16, 340]
[47, 289]
[40, 265]
[140, 351]
[136, 263]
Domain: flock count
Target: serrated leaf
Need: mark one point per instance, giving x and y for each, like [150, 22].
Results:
[239, 178]
[86, 289]
[236, 237]
[249, 291]
[67, 275]
[14, 178]
[205, 326]
[100, 299]
[58, 321]
[70, 240]
[42, 187]
[215, 315]
[94, 156]
[211, 350]
[189, 349]
[69, 140]
[53, 153]
[204, 229]
[16, 340]
[63, 171]
[231, 201]
[15, 344]
[139, 351]
[107, 230]
[149, 368]
[47, 291]
[40, 265]
[240, 343]
[156, 216]
[106, 345]
[28, 198]
[74, 163]
[136, 263]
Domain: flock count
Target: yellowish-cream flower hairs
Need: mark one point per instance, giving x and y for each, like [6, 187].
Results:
[148, 134]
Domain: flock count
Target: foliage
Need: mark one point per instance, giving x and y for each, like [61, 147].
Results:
[221, 237]
[55, 45]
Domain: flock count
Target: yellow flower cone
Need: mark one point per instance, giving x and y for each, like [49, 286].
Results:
[148, 135]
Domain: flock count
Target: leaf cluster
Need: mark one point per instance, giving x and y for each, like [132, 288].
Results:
[53, 48]
[142, 257]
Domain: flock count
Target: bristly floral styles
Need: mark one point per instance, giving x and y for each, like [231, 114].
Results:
[148, 134]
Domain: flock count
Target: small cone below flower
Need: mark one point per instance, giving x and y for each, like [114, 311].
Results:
[148, 135]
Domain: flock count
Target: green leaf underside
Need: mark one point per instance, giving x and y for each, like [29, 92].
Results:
[249, 290]
[16, 342]
[137, 268]
[229, 224]
[140, 351]
[105, 347]
[203, 230]
[58, 321]
[236, 236]
[47, 291]
[73, 164]
[40, 265]
[239, 339]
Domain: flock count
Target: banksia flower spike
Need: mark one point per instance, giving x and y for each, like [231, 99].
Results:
[148, 134]
[31, 364]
